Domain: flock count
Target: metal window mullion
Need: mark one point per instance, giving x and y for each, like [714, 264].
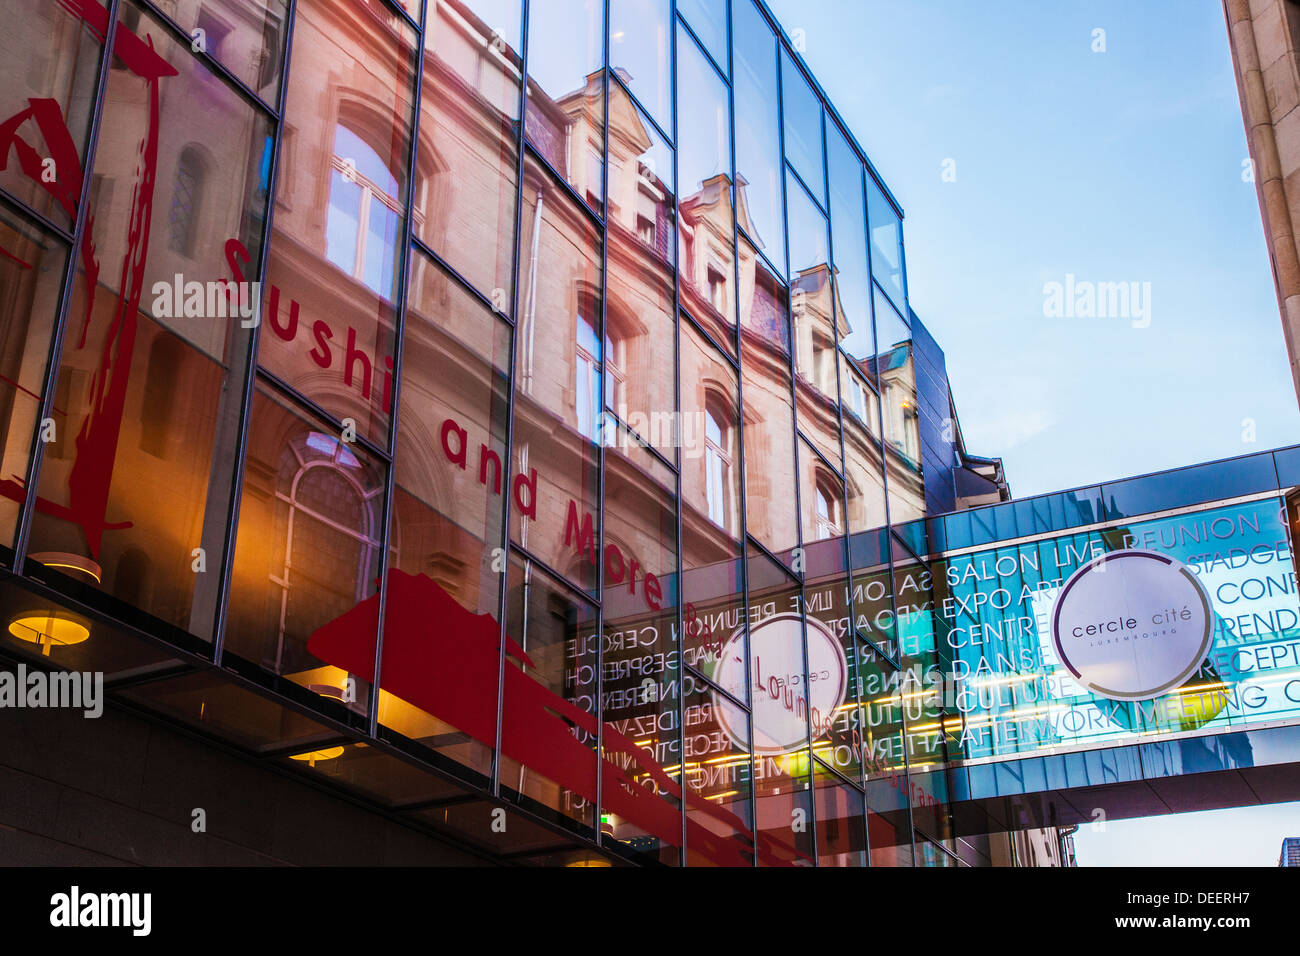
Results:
[49, 379]
[403, 276]
[464, 284]
[851, 604]
[249, 384]
[680, 622]
[38, 218]
[561, 581]
[794, 424]
[564, 186]
[889, 527]
[310, 406]
[511, 396]
[600, 447]
[775, 26]
[627, 91]
[215, 66]
[844, 452]
[740, 441]
[700, 43]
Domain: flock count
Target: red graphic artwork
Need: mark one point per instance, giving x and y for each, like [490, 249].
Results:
[97, 438]
[441, 658]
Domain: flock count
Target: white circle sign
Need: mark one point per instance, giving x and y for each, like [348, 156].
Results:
[1132, 625]
[783, 704]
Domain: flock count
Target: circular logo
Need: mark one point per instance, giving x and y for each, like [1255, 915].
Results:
[1132, 625]
[783, 702]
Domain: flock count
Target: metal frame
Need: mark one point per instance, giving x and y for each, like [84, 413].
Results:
[252, 374]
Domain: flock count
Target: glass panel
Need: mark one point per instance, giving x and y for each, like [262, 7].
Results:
[245, 36]
[849, 240]
[641, 179]
[927, 661]
[802, 111]
[342, 187]
[215, 706]
[863, 465]
[771, 513]
[135, 487]
[468, 163]
[451, 452]
[1189, 486]
[813, 316]
[31, 271]
[483, 824]
[719, 818]
[809, 252]
[566, 110]
[896, 375]
[639, 50]
[758, 137]
[376, 776]
[44, 634]
[822, 504]
[712, 595]
[706, 231]
[841, 821]
[502, 20]
[873, 608]
[881, 723]
[711, 467]
[785, 705]
[548, 736]
[708, 18]
[558, 384]
[303, 601]
[640, 344]
[886, 244]
[1287, 462]
[827, 596]
[641, 664]
[51, 53]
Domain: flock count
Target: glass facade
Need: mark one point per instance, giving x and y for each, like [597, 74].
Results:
[477, 404]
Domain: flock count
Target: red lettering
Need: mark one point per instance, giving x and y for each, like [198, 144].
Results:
[455, 457]
[236, 250]
[583, 534]
[529, 509]
[350, 359]
[653, 592]
[321, 331]
[486, 456]
[286, 332]
[612, 553]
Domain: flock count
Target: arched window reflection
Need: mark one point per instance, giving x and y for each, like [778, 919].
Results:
[718, 441]
[828, 513]
[331, 537]
[361, 233]
[187, 199]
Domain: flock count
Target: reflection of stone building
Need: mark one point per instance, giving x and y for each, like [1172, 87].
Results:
[584, 411]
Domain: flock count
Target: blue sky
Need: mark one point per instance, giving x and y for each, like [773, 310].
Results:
[1116, 166]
